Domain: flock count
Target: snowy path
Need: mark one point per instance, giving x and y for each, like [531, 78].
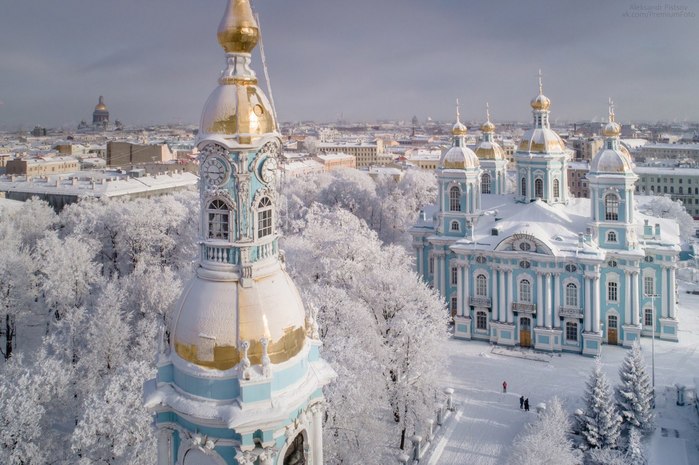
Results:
[487, 420]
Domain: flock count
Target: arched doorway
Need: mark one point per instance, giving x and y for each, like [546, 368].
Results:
[612, 330]
[525, 332]
[295, 454]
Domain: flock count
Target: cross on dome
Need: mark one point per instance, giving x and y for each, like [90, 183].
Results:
[459, 129]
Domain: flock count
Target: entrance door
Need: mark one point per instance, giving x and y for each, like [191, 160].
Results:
[525, 332]
[612, 324]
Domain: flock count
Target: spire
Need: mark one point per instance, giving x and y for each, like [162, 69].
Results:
[611, 110]
[238, 31]
[459, 130]
[541, 102]
[541, 83]
[487, 112]
[488, 128]
[612, 129]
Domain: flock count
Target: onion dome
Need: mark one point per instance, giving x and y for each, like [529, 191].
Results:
[238, 31]
[238, 110]
[459, 129]
[488, 149]
[488, 127]
[541, 140]
[101, 106]
[613, 158]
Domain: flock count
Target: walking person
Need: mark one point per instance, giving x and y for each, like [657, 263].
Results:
[526, 404]
[504, 387]
[521, 402]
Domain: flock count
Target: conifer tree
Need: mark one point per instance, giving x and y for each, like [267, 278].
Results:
[634, 448]
[601, 422]
[635, 393]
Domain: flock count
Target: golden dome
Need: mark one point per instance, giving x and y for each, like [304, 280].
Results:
[459, 129]
[459, 158]
[541, 102]
[101, 106]
[213, 317]
[489, 151]
[238, 31]
[612, 129]
[488, 127]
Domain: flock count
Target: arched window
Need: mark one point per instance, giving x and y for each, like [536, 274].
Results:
[611, 207]
[525, 291]
[455, 199]
[481, 285]
[524, 187]
[481, 320]
[556, 188]
[611, 236]
[571, 331]
[539, 188]
[571, 295]
[295, 454]
[485, 183]
[454, 226]
[612, 291]
[648, 317]
[680, 190]
[264, 218]
[648, 286]
[454, 275]
[218, 216]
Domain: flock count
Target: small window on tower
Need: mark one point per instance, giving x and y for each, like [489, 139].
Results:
[264, 218]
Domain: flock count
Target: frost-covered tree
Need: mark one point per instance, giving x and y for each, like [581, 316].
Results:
[33, 221]
[665, 207]
[607, 456]
[546, 441]
[634, 448]
[21, 417]
[115, 429]
[635, 393]
[407, 319]
[601, 422]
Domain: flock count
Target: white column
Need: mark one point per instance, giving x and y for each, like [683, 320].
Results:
[539, 300]
[420, 251]
[556, 300]
[588, 305]
[664, 293]
[467, 291]
[595, 304]
[494, 295]
[501, 300]
[636, 297]
[510, 294]
[459, 289]
[443, 275]
[671, 293]
[318, 434]
[549, 310]
[628, 302]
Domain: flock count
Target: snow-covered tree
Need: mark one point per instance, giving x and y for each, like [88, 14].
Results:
[607, 456]
[635, 393]
[21, 417]
[546, 441]
[601, 422]
[634, 448]
[665, 207]
[115, 429]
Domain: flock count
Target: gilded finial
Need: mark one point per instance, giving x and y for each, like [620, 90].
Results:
[612, 128]
[611, 110]
[458, 113]
[238, 31]
[541, 83]
[487, 112]
[459, 129]
[487, 127]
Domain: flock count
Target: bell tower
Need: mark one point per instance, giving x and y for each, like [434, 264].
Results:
[240, 376]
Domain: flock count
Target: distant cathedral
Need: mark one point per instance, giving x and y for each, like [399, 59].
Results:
[100, 117]
[539, 268]
[240, 376]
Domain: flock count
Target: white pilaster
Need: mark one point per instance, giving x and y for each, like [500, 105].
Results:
[588, 306]
[636, 298]
[420, 251]
[628, 304]
[671, 293]
[317, 434]
[549, 307]
[460, 289]
[556, 300]
[165, 447]
[467, 291]
[443, 275]
[501, 301]
[595, 305]
[494, 295]
[664, 293]
[510, 294]
[539, 300]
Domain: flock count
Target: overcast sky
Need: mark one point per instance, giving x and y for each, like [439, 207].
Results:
[157, 60]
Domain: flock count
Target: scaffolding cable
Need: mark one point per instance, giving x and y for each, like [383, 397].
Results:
[264, 67]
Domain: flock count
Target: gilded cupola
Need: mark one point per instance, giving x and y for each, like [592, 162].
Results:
[238, 31]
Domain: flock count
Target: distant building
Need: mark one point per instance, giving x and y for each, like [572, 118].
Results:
[677, 151]
[585, 147]
[679, 183]
[334, 161]
[40, 166]
[366, 154]
[100, 117]
[577, 179]
[38, 131]
[126, 153]
[301, 168]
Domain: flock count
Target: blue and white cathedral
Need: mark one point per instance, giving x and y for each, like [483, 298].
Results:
[239, 376]
[537, 267]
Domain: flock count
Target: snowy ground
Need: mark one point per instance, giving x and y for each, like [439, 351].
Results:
[487, 421]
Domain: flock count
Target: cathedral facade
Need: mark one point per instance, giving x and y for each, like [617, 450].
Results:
[240, 376]
[539, 268]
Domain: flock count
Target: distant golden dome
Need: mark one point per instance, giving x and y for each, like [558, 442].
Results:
[101, 106]
[488, 127]
[238, 31]
[612, 129]
[541, 102]
[459, 129]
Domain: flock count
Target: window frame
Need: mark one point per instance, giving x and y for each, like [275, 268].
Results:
[612, 291]
[611, 207]
[481, 320]
[454, 200]
[265, 218]
[571, 295]
[219, 215]
[524, 291]
[481, 285]
[486, 184]
[571, 329]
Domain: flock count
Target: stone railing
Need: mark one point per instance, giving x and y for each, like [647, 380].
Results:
[570, 312]
[477, 301]
[523, 307]
[421, 444]
[217, 253]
